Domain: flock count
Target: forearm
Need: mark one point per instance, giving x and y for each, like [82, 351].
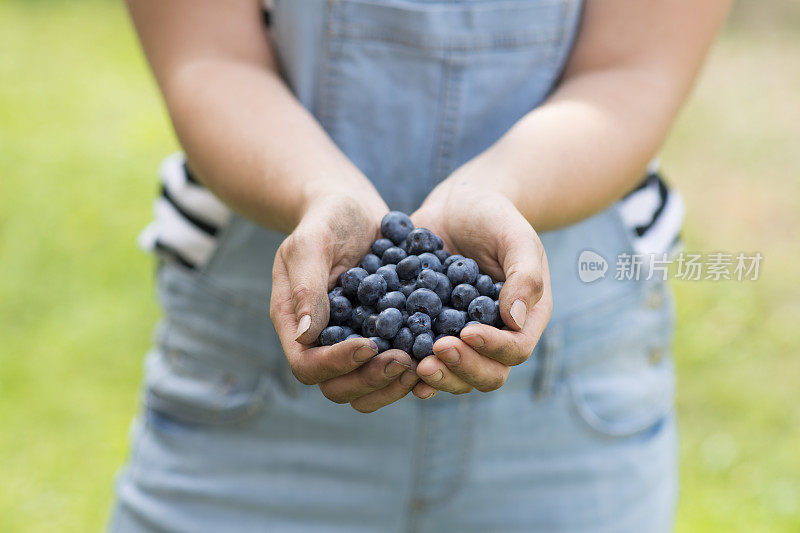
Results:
[246, 136]
[255, 146]
[582, 150]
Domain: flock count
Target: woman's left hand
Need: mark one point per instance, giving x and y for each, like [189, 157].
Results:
[485, 226]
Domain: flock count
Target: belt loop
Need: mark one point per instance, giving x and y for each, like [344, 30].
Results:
[547, 369]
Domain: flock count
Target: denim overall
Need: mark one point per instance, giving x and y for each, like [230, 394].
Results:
[580, 439]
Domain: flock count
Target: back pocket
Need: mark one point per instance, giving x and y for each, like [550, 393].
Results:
[409, 90]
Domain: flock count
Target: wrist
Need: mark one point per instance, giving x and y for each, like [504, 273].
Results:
[357, 195]
[493, 175]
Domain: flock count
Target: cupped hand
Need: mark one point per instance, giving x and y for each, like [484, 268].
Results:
[486, 227]
[333, 235]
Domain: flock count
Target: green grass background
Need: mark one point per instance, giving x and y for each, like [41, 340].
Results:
[82, 130]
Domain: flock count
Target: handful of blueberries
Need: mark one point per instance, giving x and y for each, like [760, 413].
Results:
[408, 292]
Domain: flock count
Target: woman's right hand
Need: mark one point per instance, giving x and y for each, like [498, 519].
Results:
[333, 235]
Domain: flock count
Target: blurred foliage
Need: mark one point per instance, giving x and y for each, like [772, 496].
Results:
[82, 130]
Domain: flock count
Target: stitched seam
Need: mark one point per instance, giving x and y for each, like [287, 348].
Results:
[547, 372]
[330, 77]
[441, 8]
[450, 106]
[416, 504]
[466, 43]
[457, 480]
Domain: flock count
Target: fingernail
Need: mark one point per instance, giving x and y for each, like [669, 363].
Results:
[436, 376]
[366, 352]
[519, 312]
[409, 379]
[450, 355]
[476, 341]
[303, 325]
[394, 369]
[431, 395]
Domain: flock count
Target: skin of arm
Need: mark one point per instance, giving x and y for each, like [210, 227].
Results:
[245, 134]
[259, 150]
[632, 68]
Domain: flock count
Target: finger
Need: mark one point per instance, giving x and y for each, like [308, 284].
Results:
[376, 374]
[525, 266]
[505, 346]
[315, 365]
[394, 391]
[423, 391]
[469, 366]
[436, 374]
[307, 269]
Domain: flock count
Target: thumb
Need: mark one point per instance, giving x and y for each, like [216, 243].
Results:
[308, 274]
[525, 268]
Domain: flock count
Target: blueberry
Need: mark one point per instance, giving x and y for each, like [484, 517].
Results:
[471, 323]
[408, 287]
[443, 288]
[393, 255]
[497, 288]
[389, 323]
[383, 344]
[483, 310]
[439, 336]
[371, 289]
[336, 291]
[380, 246]
[423, 346]
[403, 245]
[485, 286]
[427, 279]
[421, 240]
[370, 328]
[462, 295]
[395, 299]
[498, 323]
[424, 300]
[389, 273]
[371, 263]
[449, 322]
[358, 315]
[340, 310]
[353, 336]
[404, 340]
[331, 335]
[350, 279]
[463, 271]
[429, 260]
[442, 255]
[348, 331]
[419, 323]
[396, 226]
[405, 317]
[439, 242]
[450, 260]
[409, 268]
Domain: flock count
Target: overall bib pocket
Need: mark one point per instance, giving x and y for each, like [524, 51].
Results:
[410, 90]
